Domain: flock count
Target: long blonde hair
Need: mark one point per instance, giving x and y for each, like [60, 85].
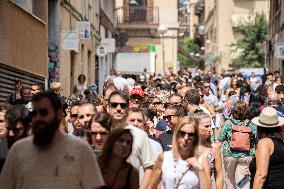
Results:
[186, 120]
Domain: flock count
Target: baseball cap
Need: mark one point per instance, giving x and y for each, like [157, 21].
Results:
[137, 91]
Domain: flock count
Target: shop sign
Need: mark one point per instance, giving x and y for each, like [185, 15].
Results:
[279, 50]
[101, 51]
[70, 41]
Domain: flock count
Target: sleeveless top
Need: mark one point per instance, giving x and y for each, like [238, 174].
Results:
[275, 169]
[127, 183]
[173, 170]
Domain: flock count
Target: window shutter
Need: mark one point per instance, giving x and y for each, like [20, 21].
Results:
[282, 13]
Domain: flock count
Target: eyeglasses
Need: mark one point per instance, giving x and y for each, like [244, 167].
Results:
[115, 104]
[74, 116]
[157, 103]
[41, 112]
[168, 117]
[102, 133]
[137, 101]
[175, 103]
[183, 134]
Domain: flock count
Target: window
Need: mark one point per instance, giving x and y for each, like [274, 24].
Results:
[22, 3]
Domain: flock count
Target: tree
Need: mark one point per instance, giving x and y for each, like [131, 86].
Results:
[189, 46]
[249, 48]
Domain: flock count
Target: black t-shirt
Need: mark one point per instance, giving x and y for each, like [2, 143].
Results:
[165, 140]
[275, 173]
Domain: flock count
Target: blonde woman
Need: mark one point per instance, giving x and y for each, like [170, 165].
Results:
[209, 150]
[181, 167]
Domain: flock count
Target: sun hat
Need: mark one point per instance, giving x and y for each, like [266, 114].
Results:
[268, 118]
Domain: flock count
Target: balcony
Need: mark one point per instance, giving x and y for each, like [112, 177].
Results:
[184, 22]
[134, 17]
[199, 7]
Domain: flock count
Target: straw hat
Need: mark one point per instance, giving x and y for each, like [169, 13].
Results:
[268, 118]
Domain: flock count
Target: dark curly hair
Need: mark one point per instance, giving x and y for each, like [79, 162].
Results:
[240, 111]
[192, 96]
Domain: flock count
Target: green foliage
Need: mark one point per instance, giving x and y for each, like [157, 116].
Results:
[211, 57]
[189, 46]
[184, 61]
[250, 51]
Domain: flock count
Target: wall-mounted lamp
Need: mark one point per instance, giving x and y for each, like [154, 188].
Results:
[133, 2]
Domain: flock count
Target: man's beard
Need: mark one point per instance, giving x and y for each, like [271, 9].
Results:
[44, 132]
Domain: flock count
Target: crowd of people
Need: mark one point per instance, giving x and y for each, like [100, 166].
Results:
[186, 130]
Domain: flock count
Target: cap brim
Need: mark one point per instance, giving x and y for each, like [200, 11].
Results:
[256, 122]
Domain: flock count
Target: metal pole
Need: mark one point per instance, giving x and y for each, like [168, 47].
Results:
[163, 54]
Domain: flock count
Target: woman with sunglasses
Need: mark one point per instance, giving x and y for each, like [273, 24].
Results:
[100, 125]
[208, 149]
[117, 172]
[182, 167]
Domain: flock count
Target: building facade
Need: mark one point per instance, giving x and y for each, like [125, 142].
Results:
[70, 51]
[107, 32]
[139, 34]
[220, 19]
[276, 36]
[23, 44]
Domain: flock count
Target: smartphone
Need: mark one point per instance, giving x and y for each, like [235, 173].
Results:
[243, 182]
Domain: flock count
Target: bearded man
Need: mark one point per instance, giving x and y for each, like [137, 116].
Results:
[49, 158]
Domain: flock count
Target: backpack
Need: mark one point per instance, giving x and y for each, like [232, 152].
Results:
[240, 139]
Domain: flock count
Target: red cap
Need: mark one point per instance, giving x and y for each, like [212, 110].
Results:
[137, 91]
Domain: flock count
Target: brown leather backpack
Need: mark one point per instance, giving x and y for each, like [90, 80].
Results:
[240, 139]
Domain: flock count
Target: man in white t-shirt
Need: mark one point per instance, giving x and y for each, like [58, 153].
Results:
[117, 107]
[49, 158]
[254, 81]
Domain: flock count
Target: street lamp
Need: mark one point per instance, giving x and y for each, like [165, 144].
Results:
[162, 30]
[133, 2]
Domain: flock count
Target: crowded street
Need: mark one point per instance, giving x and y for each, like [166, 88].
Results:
[142, 94]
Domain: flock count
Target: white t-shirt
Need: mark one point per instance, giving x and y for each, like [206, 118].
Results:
[66, 163]
[211, 99]
[156, 150]
[141, 149]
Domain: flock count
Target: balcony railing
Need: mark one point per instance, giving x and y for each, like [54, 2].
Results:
[183, 19]
[137, 15]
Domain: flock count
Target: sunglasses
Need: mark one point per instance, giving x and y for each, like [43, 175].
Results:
[157, 103]
[115, 104]
[41, 112]
[102, 133]
[183, 134]
[175, 103]
[206, 86]
[74, 115]
[168, 117]
[137, 101]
